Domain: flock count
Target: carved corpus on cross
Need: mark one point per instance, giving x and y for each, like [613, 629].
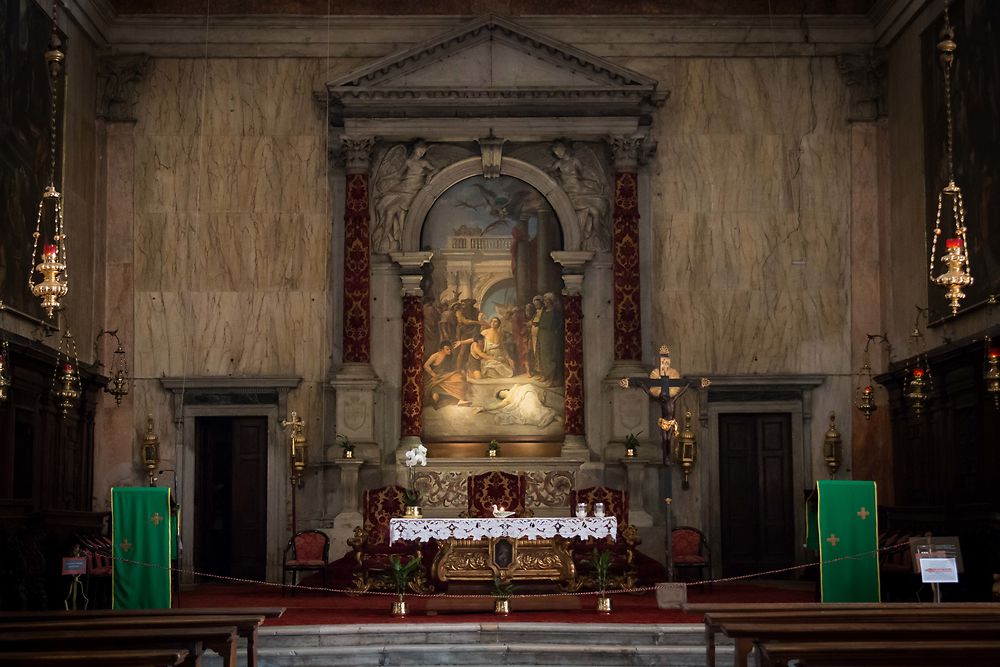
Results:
[665, 385]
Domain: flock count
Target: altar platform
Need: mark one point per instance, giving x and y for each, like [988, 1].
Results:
[333, 629]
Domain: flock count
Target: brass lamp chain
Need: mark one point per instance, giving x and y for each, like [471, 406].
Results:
[946, 47]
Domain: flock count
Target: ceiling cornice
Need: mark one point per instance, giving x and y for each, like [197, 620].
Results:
[890, 18]
[369, 37]
[94, 17]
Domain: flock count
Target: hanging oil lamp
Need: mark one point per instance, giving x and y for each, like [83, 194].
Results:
[53, 284]
[958, 273]
[917, 387]
[864, 391]
[991, 374]
[832, 447]
[5, 380]
[66, 379]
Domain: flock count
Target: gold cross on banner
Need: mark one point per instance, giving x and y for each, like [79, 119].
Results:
[156, 519]
[126, 546]
[833, 539]
[863, 513]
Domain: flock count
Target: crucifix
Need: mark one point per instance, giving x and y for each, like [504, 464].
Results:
[665, 386]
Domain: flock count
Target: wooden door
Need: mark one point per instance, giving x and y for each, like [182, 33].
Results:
[231, 496]
[756, 501]
[249, 498]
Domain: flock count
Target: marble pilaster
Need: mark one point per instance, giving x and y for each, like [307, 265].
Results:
[573, 263]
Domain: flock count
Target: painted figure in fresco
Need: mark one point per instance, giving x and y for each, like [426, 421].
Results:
[493, 359]
[550, 341]
[537, 307]
[445, 383]
[520, 331]
[521, 404]
[432, 320]
[582, 177]
[397, 181]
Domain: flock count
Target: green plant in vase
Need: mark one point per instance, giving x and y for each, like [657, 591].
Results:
[346, 445]
[502, 592]
[401, 578]
[493, 450]
[632, 444]
[601, 561]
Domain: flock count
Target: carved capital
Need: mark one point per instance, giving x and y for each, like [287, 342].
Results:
[627, 151]
[118, 82]
[865, 75]
[492, 151]
[356, 153]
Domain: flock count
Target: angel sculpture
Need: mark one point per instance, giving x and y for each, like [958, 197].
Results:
[397, 181]
[582, 176]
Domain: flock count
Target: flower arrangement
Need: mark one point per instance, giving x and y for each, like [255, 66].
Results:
[502, 592]
[346, 445]
[601, 560]
[414, 457]
[401, 578]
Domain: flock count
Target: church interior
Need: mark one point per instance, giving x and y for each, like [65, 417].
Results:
[661, 268]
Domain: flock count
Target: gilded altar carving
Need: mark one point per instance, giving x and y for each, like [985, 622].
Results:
[507, 559]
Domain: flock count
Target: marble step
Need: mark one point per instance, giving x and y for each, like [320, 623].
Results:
[508, 644]
[483, 633]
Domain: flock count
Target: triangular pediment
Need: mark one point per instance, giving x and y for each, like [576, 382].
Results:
[489, 60]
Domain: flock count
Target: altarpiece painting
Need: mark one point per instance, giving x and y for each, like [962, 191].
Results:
[493, 322]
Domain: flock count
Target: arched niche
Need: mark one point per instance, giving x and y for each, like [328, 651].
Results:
[473, 166]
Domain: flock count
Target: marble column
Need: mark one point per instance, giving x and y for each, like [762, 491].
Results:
[119, 82]
[357, 252]
[575, 441]
[355, 384]
[411, 406]
[625, 249]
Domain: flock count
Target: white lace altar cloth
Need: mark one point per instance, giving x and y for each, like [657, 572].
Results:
[478, 529]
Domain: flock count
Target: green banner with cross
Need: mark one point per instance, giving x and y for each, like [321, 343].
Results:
[847, 533]
[141, 539]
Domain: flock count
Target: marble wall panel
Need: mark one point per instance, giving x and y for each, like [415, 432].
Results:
[162, 247]
[168, 174]
[171, 98]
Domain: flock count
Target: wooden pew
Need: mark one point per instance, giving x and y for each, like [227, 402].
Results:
[244, 629]
[150, 658]
[981, 653]
[221, 639]
[801, 612]
[745, 634]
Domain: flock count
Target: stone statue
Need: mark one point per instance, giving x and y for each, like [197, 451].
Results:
[397, 180]
[585, 181]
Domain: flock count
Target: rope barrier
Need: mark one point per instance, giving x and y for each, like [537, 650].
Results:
[636, 589]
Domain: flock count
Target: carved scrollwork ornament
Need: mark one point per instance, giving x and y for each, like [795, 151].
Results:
[356, 153]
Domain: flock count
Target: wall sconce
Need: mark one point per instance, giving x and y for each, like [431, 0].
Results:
[864, 391]
[686, 450]
[297, 449]
[991, 374]
[118, 381]
[5, 380]
[150, 452]
[832, 447]
[66, 380]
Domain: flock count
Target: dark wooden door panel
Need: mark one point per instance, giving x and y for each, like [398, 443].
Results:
[249, 497]
[755, 461]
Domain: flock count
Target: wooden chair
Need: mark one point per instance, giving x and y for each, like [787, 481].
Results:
[503, 489]
[309, 551]
[623, 570]
[690, 551]
[372, 549]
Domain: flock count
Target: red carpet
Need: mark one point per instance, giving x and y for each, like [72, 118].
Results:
[320, 609]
